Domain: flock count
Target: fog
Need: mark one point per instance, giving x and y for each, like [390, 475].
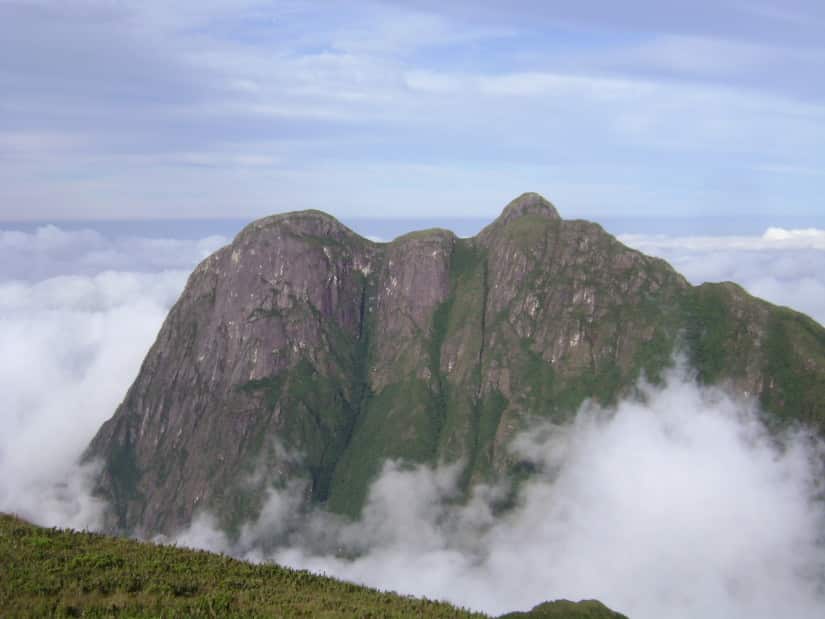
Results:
[50, 251]
[72, 337]
[675, 504]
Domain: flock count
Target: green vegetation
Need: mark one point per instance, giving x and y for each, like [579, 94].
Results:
[425, 235]
[397, 422]
[730, 334]
[321, 422]
[563, 609]
[709, 327]
[51, 572]
[798, 389]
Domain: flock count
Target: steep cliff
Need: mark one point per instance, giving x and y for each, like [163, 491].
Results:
[304, 351]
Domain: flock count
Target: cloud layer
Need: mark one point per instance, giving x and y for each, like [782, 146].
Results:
[73, 334]
[49, 251]
[677, 505]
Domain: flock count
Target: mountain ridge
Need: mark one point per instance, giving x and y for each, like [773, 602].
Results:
[304, 351]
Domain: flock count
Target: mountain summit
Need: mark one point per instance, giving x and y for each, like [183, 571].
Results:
[302, 351]
[527, 204]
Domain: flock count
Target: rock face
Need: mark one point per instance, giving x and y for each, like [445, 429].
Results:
[303, 351]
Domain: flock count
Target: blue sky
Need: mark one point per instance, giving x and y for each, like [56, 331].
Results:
[236, 109]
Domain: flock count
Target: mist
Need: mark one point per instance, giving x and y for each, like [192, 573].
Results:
[73, 334]
[677, 503]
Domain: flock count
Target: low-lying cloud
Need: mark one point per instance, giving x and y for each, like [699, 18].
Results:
[73, 333]
[71, 346]
[677, 505]
[49, 251]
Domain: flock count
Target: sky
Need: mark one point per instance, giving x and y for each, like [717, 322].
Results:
[240, 108]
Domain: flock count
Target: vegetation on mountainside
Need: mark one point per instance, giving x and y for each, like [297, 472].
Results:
[51, 572]
[65, 573]
[732, 336]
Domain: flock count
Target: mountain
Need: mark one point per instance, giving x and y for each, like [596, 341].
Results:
[49, 572]
[304, 351]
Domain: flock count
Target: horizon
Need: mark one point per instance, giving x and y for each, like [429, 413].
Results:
[390, 227]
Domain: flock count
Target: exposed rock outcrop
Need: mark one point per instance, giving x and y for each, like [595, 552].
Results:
[302, 350]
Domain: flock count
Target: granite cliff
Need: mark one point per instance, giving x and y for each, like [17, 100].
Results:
[304, 351]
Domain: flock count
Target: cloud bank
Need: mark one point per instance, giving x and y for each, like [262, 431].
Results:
[73, 334]
[50, 250]
[677, 504]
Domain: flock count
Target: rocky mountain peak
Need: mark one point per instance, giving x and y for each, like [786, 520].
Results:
[312, 223]
[529, 211]
[304, 353]
[529, 203]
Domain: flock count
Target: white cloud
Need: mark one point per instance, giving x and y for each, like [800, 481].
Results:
[783, 266]
[808, 237]
[50, 250]
[772, 239]
[678, 506]
[71, 345]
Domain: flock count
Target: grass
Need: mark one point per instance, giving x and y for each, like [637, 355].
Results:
[61, 573]
[51, 572]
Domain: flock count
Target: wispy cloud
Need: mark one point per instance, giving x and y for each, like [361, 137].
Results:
[95, 91]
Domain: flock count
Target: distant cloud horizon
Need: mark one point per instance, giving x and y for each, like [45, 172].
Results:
[785, 266]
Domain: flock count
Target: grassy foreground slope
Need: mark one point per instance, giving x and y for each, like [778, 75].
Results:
[51, 572]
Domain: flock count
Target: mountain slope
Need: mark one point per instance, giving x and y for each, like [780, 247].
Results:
[304, 352]
[49, 572]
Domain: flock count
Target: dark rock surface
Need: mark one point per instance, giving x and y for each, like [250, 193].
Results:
[303, 351]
